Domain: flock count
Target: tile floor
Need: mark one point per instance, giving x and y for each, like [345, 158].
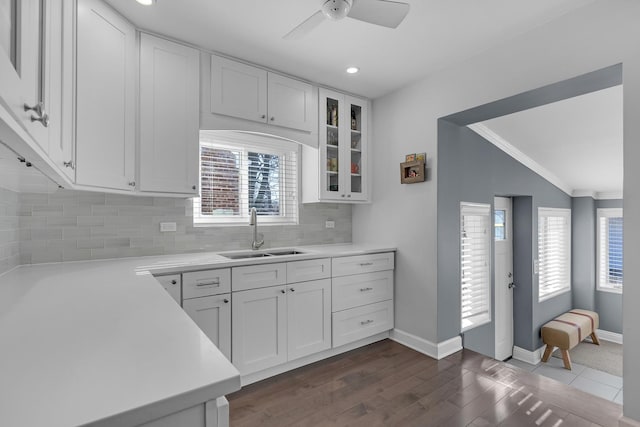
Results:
[592, 381]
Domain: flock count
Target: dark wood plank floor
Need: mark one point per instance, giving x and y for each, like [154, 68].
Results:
[387, 384]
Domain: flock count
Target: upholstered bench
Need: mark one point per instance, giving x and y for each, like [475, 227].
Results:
[567, 331]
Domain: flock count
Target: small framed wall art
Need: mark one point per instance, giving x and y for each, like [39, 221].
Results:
[412, 172]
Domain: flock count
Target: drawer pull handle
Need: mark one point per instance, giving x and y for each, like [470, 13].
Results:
[365, 289]
[282, 291]
[364, 264]
[212, 283]
[173, 282]
[366, 322]
[292, 290]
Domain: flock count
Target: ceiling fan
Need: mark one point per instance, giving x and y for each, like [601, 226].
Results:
[379, 12]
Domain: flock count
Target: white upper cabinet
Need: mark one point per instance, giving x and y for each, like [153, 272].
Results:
[238, 90]
[338, 170]
[105, 101]
[251, 93]
[169, 126]
[290, 103]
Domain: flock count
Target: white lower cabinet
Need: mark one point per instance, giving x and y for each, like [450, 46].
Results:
[361, 322]
[308, 318]
[172, 284]
[259, 328]
[213, 315]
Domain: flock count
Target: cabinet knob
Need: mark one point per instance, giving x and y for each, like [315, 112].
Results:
[272, 118]
[132, 183]
[264, 116]
[349, 195]
[44, 119]
[226, 301]
[343, 195]
[193, 187]
[282, 291]
[292, 290]
[69, 164]
[173, 282]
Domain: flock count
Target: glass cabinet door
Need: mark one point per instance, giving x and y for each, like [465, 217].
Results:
[333, 147]
[357, 149]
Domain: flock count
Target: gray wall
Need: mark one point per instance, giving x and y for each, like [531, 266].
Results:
[609, 304]
[9, 232]
[583, 252]
[474, 170]
[77, 225]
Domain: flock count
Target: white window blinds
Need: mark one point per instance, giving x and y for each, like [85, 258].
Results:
[239, 171]
[475, 264]
[554, 252]
[610, 249]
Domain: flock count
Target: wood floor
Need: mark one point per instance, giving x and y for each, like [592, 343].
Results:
[387, 384]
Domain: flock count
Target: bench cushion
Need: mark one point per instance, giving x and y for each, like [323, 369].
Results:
[567, 330]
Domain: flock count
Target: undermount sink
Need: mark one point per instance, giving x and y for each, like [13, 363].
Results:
[255, 254]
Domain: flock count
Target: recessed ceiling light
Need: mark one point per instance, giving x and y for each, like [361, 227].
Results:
[353, 70]
[146, 2]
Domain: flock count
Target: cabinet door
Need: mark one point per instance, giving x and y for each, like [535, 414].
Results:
[291, 103]
[259, 339]
[171, 284]
[213, 316]
[331, 141]
[238, 90]
[61, 71]
[169, 123]
[308, 318]
[105, 105]
[355, 170]
[23, 48]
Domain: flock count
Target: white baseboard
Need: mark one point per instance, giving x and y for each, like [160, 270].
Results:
[609, 336]
[530, 357]
[436, 351]
[628, 422]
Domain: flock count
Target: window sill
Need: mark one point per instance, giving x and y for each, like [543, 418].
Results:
[610, 290]
[474, 324]
[240, 224]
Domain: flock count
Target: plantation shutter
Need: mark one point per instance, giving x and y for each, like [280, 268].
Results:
[236, 175]
[610, 269]
[475, 264]
[554, 252]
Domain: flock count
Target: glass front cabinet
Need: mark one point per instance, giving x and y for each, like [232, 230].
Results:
[342, 147]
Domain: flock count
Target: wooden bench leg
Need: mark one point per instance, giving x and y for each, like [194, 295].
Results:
[594, 338]
[547, 353]
[566, 359]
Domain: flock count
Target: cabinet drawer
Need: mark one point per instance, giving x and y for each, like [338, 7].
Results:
[313, 269]
[362, 264]
[361, 322]
[361, 289]
[259, 276]
[204, 283]
[171, 284]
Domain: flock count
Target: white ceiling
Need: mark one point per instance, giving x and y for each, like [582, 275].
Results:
[435, 34]
[577, 142]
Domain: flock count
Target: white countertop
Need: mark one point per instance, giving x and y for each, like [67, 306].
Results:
[101, 343]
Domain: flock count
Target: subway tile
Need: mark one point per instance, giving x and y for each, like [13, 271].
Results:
[46, 233]
[117, 242]
[62, 221]
[105, 210]
[76, 254]
[74, 233]
[46, 210]
[80, 210]
[90, 243]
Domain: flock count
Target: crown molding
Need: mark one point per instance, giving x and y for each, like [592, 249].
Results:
[512, 151]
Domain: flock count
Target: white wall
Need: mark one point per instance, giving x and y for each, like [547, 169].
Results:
[596, 36]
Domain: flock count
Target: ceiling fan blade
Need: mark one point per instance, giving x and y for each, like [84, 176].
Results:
[306, 27]
[380, 12]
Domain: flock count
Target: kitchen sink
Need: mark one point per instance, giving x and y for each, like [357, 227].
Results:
[255, 254]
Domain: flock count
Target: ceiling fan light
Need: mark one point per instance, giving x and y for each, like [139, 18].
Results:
[146, 2]
[353, 70]
[336, 9]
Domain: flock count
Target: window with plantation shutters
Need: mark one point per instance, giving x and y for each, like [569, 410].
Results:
[475, 264]
[240, 171]
[610, 249]
[554, 252]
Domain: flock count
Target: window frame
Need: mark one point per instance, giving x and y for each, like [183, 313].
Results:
[484, 317]
[254, 142]
[566, 214]
[606, 213]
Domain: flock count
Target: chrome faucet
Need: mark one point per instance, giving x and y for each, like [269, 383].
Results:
[253, 221]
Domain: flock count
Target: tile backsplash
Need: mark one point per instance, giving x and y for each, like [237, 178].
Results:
[9, 230]
[72, 225]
